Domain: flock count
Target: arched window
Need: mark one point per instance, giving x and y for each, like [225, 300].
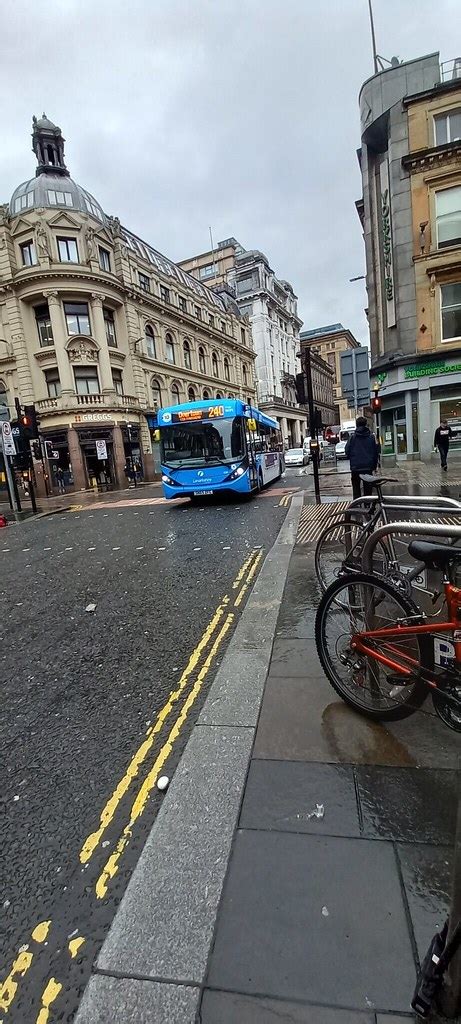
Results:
[187, 355]
[150, 342]
[201, 360]
[244, 374]
[191, 394]
[175, 393]
[156, 393]
[226, 369]
[214, 365]
[169, 347]
[230, 396]
[206, 393]
[218, 394]
[3, 398]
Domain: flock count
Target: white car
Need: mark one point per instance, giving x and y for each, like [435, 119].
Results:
[341, 450]
[296, 457]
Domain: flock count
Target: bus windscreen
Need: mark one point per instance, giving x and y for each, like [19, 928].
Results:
[192, 443]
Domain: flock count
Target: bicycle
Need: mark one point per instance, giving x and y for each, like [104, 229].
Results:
[378, 651]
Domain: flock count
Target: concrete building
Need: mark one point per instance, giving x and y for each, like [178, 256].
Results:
[271, 307]
[411, 218]
[329, 342]
[98, 329]
[322, 383]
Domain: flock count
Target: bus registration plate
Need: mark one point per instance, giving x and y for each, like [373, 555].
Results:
[198, 494]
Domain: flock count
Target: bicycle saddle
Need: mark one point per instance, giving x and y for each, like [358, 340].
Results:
[376, 481]
[435, 556]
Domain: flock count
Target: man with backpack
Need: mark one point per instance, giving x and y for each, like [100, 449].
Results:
[442, 442]
[363, 454]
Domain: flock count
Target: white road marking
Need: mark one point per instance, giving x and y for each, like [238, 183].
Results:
[162, 549]
[115, 549]
[26, 549]
[68, 549]
[141, 548]
[47, 549]
[91, 549]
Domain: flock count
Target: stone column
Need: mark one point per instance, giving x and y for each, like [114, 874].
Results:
[59, 328]
[119, 456]
[76, 458]
[409, 422]
[298, 440]
[426, 427]
[99, 333]
[284, 427]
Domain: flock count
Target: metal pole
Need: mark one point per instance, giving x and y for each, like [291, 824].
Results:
[32, 492]
[312, 424]
[12, 485]
[373, 39]
[414, 529]
[450, 1000]
[8, 482]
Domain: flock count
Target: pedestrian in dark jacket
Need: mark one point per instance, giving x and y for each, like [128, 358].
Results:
[442, 442]
[363, 453]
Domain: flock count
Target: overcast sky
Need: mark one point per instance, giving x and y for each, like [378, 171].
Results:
[241, 114]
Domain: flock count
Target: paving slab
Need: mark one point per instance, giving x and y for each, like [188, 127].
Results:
[409, 804]
[283, 795]
[164, 925]
[292, 657]
[294, 905]
[235, 697]
[234, 1008]
[125, 1001]
[426, 872]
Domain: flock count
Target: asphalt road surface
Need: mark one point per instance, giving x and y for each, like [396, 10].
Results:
[88, 721]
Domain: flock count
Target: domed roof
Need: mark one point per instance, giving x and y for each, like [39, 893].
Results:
[54, 191]
[44, 122]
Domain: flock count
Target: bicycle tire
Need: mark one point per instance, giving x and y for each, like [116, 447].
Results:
[381, 556]
[417, 691]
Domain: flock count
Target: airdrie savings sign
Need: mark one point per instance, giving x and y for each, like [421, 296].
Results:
[387, 255]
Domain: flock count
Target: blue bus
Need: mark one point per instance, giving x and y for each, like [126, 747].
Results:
[218, 445]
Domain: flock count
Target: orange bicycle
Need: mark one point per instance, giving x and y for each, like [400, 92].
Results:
[379, 651]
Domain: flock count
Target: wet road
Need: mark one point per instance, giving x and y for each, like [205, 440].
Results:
[88, 721]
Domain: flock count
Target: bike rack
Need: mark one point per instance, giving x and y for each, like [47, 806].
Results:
[413, 528]
[400, 503]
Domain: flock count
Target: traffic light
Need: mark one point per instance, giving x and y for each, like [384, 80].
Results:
[30, 421]
[300, 389]
[376, 401]
[37, 450]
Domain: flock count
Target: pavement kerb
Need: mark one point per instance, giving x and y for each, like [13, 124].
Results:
[163, 929]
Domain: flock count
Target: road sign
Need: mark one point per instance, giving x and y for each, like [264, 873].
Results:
[9, 447]
[355, 376]
[54, 455]
[101, 449]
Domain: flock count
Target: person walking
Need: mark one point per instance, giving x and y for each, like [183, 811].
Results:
[442, 442]
[60, 480]
[363, 454]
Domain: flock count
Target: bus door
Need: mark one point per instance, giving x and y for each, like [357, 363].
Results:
[251, 447]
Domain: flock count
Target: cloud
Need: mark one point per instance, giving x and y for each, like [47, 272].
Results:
[241, 114]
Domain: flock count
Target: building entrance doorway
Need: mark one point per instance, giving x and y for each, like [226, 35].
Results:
[98, 472]
[400, 440]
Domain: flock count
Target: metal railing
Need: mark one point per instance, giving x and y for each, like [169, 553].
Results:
[450, 69]
[414, 529]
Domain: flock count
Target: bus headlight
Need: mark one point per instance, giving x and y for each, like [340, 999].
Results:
[237, 472]
[167, 480]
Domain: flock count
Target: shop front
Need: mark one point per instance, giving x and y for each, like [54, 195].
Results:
[415, 397]
[94, 451]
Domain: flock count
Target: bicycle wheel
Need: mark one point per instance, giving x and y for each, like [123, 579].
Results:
[356, 603]
[331, 559]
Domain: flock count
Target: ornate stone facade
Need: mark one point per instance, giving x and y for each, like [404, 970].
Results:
[98, 329]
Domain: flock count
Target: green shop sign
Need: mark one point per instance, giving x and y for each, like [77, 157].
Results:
[431, 369]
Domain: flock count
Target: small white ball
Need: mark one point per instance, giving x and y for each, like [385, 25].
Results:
[163, 783]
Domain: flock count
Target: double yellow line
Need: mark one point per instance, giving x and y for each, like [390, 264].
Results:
[196, 672]
[285, 500]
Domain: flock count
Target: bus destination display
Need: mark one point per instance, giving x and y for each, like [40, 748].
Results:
[192, 415]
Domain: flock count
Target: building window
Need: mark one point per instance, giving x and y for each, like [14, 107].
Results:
[169, 346]
[67, 248]
[187, 355]
[451, 311]
[191, 394]
[77, 317]
[144, 282]
[53, 383]
[218, 394]
[28, 255]
[156, 394]
[448, 203]
[223, 326]
[243, 336]
[175, 394]
[244, 374]
[43, 321]
[150, 342]
[86, 380]
[104, 259]
[118, 381]
[24, 202]
[448, 127]
[182, 304]
[331, 360]
[201, 360]
[226, 369]
[206, 394]
[59, 198]
[208, 271]
[3, 395]
[214, 365]
[164, 293]
[198, 312]
[110, 327]
[211, 320]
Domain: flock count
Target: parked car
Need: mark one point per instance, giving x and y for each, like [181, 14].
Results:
[341, 450]
[307, 447]
[296, 457]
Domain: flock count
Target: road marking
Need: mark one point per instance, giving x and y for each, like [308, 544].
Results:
[314, 519]
[111, 867]
[248, 580]
[49, 996]
[75, 945]
[243, 570]
[20, 966]
[109, 809]
[115, 549]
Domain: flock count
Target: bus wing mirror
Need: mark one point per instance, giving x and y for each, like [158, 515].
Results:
[156, 435]
[252, 426]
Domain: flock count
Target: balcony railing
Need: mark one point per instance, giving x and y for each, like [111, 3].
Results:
[68, 402]
[450, 69]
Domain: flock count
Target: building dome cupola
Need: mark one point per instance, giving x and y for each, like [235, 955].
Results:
[48, 146]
